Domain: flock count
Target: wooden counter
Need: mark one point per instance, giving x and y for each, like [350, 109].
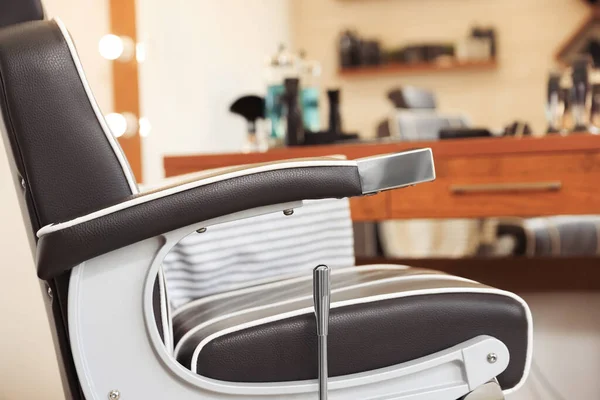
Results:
[475, 177]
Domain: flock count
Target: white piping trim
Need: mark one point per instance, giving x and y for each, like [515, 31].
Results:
[303, 296]
[290, 314]
[109, 136]
[191, 185]
[310, 310]
[44, 12]
[166, 322]
[278, 281]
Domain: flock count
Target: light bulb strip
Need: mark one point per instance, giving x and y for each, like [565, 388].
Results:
[117, 48]
[126, 125]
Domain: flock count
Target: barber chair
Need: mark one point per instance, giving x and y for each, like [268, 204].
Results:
[394, 332]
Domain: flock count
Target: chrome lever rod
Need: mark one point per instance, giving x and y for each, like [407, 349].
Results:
[321, 298]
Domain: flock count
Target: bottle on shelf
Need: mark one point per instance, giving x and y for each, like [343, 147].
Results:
[281, 66]
[310, 75]
[581, 94]
[349, 49]
[595, 101]
[567, 122]
[555, 104]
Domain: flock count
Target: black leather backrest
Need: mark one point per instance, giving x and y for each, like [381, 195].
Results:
[69, 164]
[17, 11]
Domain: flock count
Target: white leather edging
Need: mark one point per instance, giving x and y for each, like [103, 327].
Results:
[191, 185]
[405, 278]
[109, 136]
[365, 300]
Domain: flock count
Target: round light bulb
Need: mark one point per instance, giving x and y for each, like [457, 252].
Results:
[145, 127]
[122, 124]
[111, 47]
[117, 124]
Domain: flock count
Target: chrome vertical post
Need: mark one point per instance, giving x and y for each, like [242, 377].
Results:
[321, 298]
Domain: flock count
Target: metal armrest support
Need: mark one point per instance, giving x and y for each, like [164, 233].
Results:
[64, 245]
[393, 171]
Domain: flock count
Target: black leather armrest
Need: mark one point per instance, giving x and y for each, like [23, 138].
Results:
[64, 245]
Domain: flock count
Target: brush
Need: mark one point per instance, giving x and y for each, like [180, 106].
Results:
[251, 108]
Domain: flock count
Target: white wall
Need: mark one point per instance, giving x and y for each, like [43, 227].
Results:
[28, 368]
[202, 55]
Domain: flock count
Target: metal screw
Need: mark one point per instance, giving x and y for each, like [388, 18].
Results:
[114, 395]
[492, 358]
[201, 230]
[49, 291]
[23, 185]
[289, 212]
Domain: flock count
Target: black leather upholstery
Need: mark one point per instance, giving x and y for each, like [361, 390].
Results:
[380, 333]
[17, 11]
[60, 148]
[60, 151]
[63, 249]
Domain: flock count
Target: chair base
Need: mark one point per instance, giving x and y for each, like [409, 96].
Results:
[489, 391]
[138, 365]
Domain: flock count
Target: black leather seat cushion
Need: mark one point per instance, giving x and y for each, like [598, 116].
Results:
[362, 337]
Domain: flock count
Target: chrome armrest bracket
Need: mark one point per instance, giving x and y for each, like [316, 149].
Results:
[397, 170]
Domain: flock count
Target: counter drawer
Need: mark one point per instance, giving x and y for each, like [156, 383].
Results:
[550, 184]
[370, 208]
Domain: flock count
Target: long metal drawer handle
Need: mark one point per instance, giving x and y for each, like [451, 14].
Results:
[507, 187]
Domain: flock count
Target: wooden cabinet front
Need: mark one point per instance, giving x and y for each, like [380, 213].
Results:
[371, 208]
[510, 185]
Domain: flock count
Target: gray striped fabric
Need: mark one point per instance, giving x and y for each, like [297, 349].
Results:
[566, 235]
[241, 253]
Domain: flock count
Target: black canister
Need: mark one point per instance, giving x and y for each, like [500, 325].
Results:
[335, 120]
[294, 135]
[349, 50]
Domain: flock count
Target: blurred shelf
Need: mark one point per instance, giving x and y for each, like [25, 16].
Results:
[397, 68]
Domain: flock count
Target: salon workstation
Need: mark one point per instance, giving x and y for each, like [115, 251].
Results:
[300, 199]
